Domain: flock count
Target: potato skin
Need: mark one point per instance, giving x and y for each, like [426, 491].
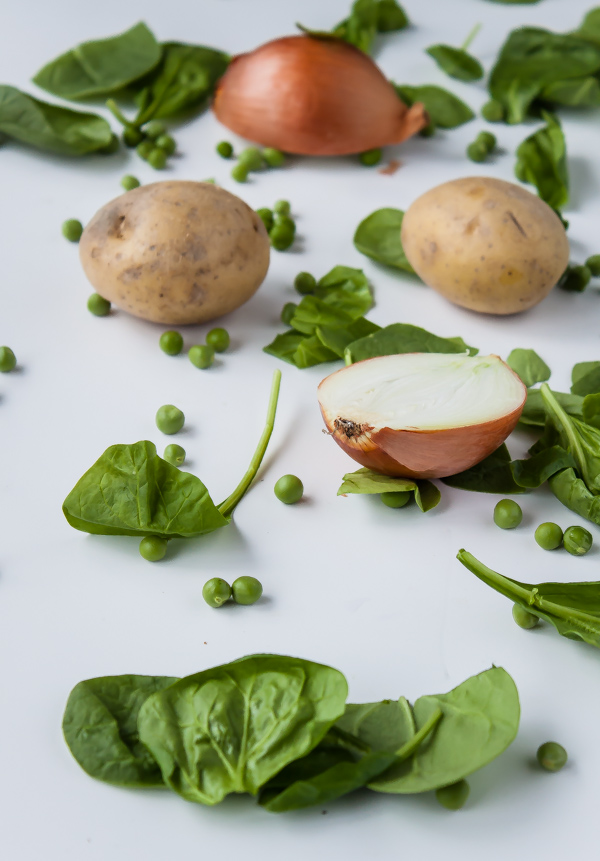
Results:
[176, 252]
[485, 244]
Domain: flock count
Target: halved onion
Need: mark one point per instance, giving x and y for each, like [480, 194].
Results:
[422, 415]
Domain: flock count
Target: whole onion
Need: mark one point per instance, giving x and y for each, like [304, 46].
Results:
[313, 96]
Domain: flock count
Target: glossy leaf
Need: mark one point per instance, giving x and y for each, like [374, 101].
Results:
[403, 338]
[337, 339]
[534, 471]
[456, 62]
[51, 127]
[378, 236]
[585, 378]
[232, 728]
[364, 480]
[542, 161]
[529, 366]
[491, 475]
[573, 493]
[100, 728]
[445, 109]
[130, 490]
[573, 608]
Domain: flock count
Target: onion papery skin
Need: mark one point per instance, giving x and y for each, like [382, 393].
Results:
[413, 453]
[313, 96]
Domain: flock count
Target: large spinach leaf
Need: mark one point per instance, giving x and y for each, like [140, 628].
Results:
[573, 608]
[51, 127]
[403, 338]
[378, 236]
[364, 480]
[445, 109]
[542, 161]
[232, 728]
[491, 475]
[101, 67]
[100, 728]
[529, 366]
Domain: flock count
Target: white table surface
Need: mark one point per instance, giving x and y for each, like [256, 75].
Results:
[375, 592]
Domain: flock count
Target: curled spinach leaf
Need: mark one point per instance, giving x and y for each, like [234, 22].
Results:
[542, 161]
[364, 480]
[403, 338]
[445, 109]
[378, 236]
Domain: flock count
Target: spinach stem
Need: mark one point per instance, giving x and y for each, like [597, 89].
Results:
[502, 584]
[410, 747]
[226, 508]
[563, 420]
[114, 109]
[470, 37]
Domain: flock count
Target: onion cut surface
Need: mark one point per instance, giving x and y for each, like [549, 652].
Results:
[422, 415]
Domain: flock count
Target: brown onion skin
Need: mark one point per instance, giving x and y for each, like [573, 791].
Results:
[313, 96]
[425, 453]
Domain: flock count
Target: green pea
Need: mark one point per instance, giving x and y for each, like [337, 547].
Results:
[8, 360]
[246, 590]
[288, 311]
[216, 592]
[282, 207]
[273, 157]
[171, 342]
[396, 498]
[144, 149]
[575, 279]
[476, 152]
[577, 541]
[507, 514]
[266, 215]
[453, 797]
[487, 139]
[218, 339]
[98, 305]
[166, 143]
[72, 229]
[593, 264]
[157, 159]
[305, 283]
[169, 419]
[549, 536]
[153, 548]
[239, 172]
[132, 137]
[281, 237]
[370, 158]
[224, 149]
[493, 111]
[524, 618]
[174, 454]
[201, 355]
[251, 159]
[289, 489]
[552, 756]
[129, 182]
[285, 221]
[154, 129]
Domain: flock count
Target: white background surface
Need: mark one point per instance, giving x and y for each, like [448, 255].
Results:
[375, 592]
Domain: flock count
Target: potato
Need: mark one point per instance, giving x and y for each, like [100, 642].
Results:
[485, 244]
[176, 252]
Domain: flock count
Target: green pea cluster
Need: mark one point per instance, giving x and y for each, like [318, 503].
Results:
[280, 226]
[576, 277]
[200, 355]
[152, 143]
[481, 147]
[244, 590]
[250, 160]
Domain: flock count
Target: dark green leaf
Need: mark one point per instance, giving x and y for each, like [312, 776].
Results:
[312, 352]
[529, 366]
[573, 493]
[337, 340]
[534, 413]
[585, 378]
[403, 338]
[590, 26]
[591, 409]
[364, 480]
[534, 471]
[284, 346]
[577, 437]
[577, 93]
[312, 312]
[101, 67]
[455, 62]
[367, 18]
[347, 289]
[130, 490]
[573, 608]
[378, 236]
[542, 161]
[100, 728]
[445, 109]
[50, 127]
[492, 475]
[232, 728]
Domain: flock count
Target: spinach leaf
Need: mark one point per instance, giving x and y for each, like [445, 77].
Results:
[529, 366]
[51, 127]
[100, 728]
[378, 236]
[534, 413]
[101, 67]
[534, 471]
[491, 475]
[480, 718]
[368, 18]
[573, 493]
[364, 480]
[542, 161]
[532, 59]
[337, 339]
[312, 312]
[403, 338]
[590, 26]
[578, 438]
[585, 378]
[591, 409]
[232, 728]
[576, 93]
[445, 109]
[346, 289]
[284, 346]
[386, 725]
[456, 62]
[311, 352]
[573, 608]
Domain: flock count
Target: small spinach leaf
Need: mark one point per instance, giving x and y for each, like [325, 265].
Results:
[542, 161]
[403, 338]
[534, 471]
[100, 728]
[101, 67]
[585, 378]
[445, 109]
[456, 62]
[284, 346]
[364, 480]
[529, 366]
[346, 289]
[591, 409]
[232, 728]
[311, 352]
[492, 475]
[378, 236]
